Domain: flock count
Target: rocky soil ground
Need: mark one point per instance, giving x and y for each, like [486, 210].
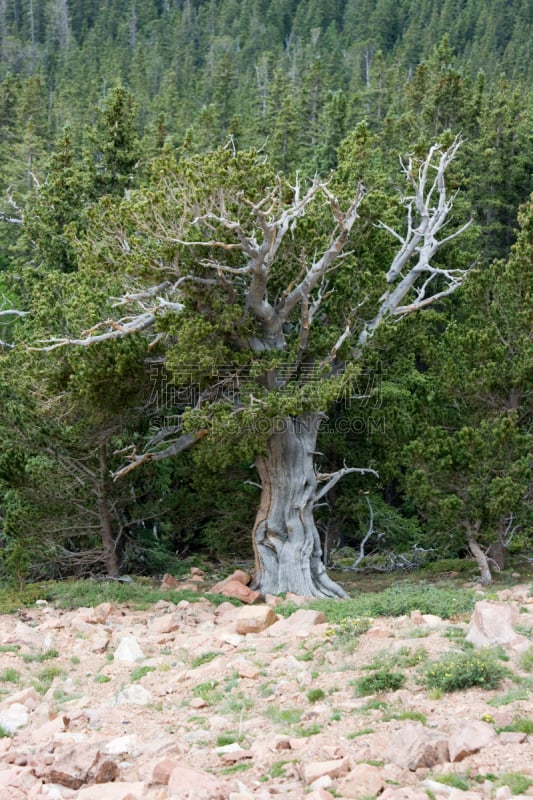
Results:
[191, 700]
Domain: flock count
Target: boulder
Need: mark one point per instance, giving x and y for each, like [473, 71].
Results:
[240, 592]
[492, 624]
[364, 780]
[468, 738]
[239, 575]
[186, 783]
[254, 619]
[416, 746]
[75, 766]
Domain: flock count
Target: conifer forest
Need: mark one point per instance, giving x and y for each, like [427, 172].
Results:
[266, 287]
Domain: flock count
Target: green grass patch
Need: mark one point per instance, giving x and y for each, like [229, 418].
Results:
[519, 725]
[139, 672]
[47, 655]
[101, 679]
[242, 767]
[516, 781]
[314, 695]
[416, 716]
[204, 658]
[10, 675]
[228, 738]
[4, 733]
[208, 691]
[371, 705]
[284, 716]
[362, 732]
[9, 648]
[443, 599]
[462, 670]
[453, 779]
[71, 594]
[304, 731]
[509, 697]
[526, 660]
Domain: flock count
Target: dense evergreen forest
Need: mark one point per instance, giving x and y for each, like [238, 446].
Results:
[137, 140]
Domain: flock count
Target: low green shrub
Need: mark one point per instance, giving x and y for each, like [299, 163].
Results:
[462, 670]
[381, 680]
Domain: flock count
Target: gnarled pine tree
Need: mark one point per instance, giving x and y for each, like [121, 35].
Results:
[237, 272]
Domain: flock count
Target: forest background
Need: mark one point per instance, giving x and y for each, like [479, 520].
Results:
[95, 101]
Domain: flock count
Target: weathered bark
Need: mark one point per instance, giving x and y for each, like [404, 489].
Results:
[287, 546]
[104, 514]
[481, 558]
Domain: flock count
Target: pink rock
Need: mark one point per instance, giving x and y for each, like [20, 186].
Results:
[468, 738]
[197, 572]
[273, 600]
[187, 586]
[512, 737]
[101, 613]
[316, 769]
[46, 732]
[297, 599]
[239, 591]
[164, 624]
[364, 780]
[168, 582]
[492, 623]
[406, 793]
[163, 770]
[247, 670]
[319, 794]
[300, 624]
[254, 619]
[416, 746]
[186, 783]
[75, 766]
[239, 575]
[133, 790]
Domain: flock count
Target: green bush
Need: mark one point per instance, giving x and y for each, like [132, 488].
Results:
[462, 670]
[382, 680]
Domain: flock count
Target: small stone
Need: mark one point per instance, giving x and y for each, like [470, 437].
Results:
[128, 650]
[163, 770]
[239, 575]
[240, 592]
[247, 670]
[13, 717]
[168, 582]
[512, 737]
[134, 790]
[123, 745]
[316, 769]
[135, 695]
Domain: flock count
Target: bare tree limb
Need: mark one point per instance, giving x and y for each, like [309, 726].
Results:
[367, 535]
[334, 477]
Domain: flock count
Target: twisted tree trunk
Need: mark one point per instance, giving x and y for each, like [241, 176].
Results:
[288, 553]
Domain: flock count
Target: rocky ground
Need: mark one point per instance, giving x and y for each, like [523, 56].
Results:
[190, 700]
